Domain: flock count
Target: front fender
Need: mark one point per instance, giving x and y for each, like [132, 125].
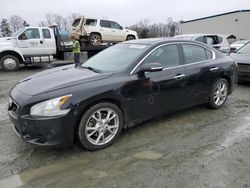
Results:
[6, 50]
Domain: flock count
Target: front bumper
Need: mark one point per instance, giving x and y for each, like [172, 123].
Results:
[52, 131]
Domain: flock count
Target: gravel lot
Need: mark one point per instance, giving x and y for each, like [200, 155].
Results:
[194, 148]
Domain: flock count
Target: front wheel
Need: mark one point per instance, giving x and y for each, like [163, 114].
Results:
[9, 63]
[219, 93]
[130, 37]
[100, 126]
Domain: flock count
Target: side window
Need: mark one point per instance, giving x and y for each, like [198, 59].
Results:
[91, 22]
[115, 25]
[46, 34]
[105, 23]
[193, 53]
[167, 55]
[200, 39]
[32, 33]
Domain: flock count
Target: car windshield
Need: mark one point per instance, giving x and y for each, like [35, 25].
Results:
[18, 32]
[116, 58]
[245, 49]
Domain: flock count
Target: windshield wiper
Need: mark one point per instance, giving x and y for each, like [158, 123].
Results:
[92, 69]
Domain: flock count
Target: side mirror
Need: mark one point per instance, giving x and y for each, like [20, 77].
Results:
[233, 50]
[22, 37]
[151, 67]
[121, 28]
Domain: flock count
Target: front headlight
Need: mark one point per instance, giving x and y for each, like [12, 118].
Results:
[50, 107]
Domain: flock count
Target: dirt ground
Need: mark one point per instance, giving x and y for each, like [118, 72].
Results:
[194, 148]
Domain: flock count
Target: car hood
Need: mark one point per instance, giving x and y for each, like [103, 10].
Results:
[6, 41]
[241, 58]
[58, 78]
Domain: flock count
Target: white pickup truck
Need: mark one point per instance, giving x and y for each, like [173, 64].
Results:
[35, 45]
[28, 45]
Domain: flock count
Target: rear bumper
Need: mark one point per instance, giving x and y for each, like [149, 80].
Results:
[55, 131]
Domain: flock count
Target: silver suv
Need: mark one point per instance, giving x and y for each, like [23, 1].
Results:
[219, 42]
[96, 31]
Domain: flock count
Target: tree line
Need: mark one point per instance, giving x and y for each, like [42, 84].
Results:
[144, 28]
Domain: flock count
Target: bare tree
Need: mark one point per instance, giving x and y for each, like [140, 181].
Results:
[16, 22]
[145, 29]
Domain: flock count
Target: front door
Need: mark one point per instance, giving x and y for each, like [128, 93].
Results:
[30, 42]
[158, 93]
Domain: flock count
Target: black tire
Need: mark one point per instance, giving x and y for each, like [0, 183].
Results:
[95, 39]
[130, 37]
[90, 128]
[218, 97]
[9, 63]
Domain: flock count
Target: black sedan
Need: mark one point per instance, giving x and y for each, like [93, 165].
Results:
[121, 86]
[242, 57]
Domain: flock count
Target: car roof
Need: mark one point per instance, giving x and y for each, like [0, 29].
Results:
[155, 41]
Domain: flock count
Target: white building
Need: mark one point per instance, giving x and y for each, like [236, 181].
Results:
[236, 23]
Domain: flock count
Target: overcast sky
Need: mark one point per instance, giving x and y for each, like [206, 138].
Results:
[126, 12]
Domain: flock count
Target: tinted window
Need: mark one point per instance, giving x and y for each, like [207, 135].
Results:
[193, 53]
[105, 23]
[32, 33]
[46, 34]
[115, 25]
[91, 22]
[167, 55]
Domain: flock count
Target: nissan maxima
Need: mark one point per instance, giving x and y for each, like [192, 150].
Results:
[124, 85]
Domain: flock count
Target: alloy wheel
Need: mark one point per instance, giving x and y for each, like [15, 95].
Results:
[220, 93]
[102, 126]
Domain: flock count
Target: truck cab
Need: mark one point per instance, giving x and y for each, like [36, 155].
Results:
[28, 45]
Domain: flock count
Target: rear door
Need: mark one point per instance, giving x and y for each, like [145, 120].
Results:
[200, 69]
[48, 42]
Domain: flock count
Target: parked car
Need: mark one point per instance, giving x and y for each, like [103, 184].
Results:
[96, 31]
[121, 86]
[242, 57]
[219, 42]
[238, 44]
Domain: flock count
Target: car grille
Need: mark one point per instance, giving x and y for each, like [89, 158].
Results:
[244, 68]
[13, 108]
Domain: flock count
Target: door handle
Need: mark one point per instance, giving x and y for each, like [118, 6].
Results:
[179, 76]
[213, 69]
[41, 42]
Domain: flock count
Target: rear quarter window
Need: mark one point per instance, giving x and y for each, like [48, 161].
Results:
[193, 53]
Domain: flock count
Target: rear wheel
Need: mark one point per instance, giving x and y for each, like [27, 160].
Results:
[219, 93]
[130, 37]
[95, 39]
[9, 63]
[100, 126]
